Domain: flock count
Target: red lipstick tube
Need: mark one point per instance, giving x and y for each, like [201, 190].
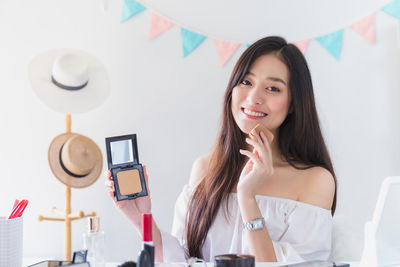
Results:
[147, 234]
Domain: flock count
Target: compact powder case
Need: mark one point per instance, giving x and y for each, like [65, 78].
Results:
[126, 171]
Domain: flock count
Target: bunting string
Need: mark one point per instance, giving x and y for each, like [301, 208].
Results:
[331, 42]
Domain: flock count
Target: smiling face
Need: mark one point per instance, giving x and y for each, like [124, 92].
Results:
[263, 95]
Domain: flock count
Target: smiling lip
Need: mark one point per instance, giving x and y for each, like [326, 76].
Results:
[253, 114]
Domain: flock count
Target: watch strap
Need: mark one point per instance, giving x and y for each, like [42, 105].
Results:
[255, 224]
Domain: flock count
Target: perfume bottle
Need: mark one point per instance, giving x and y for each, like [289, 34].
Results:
[93, 241]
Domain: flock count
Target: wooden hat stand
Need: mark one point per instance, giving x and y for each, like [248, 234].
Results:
[67, 215]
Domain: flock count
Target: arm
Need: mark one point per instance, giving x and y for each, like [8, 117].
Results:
[168, 247]
[256, 169]
[158, 244]
[259, 241]
[133, 210]
[307, 232]
[318, 190]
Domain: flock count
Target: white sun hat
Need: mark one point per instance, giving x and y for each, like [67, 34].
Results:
[69, 80]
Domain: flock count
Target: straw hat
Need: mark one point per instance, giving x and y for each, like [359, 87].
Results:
[75, 160]
[69, 80]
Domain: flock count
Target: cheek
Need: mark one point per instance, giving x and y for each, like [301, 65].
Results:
[235, 99]
[280, 105]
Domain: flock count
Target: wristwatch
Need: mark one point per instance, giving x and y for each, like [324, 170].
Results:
[253, 225]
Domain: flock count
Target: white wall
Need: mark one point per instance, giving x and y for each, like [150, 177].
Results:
[174, 106]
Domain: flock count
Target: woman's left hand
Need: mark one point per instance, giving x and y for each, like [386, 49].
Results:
[259, 166]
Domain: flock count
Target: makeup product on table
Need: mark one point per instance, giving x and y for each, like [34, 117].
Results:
[143, 259]
[94, 243]
[234, 260]
[18, 208]
[78, 260]
[261, 128]
[147, 243]
[11, 240]
[11, 235]
[15, 203]
[126, 171]
[128, 264]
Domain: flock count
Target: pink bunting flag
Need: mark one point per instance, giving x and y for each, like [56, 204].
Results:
[366, 28]
[302, 46]
[225, 50]
[158, 25]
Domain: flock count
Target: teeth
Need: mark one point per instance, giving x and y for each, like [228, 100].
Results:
[252, 113]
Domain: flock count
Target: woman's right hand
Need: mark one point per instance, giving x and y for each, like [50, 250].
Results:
[131, 208]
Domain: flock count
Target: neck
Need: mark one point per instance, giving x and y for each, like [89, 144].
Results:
[277, 158]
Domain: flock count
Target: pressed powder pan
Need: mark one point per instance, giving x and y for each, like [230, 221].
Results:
[261, 128]
[126, 171]
[129, 182]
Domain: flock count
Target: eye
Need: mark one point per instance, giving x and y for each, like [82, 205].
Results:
[273, 89]
[245, 82]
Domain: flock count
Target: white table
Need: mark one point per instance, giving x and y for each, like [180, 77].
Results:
[30, 261]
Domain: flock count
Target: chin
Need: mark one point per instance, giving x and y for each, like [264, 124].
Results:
[246, 127]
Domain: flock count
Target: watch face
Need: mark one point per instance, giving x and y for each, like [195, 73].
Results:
[258, 224]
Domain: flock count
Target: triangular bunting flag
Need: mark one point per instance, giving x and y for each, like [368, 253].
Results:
[332, 42]
[366, 28]
[225, 50]
[130, 8]
[302, 45]
[393, 9]
[190, 41]
[158, 25]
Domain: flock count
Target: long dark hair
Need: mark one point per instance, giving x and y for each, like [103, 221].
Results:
[300, 139]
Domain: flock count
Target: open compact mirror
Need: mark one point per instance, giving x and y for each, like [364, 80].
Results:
[382, 234]
[126, 171]
[387, 232]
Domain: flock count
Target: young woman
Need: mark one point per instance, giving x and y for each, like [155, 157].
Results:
[274, 201]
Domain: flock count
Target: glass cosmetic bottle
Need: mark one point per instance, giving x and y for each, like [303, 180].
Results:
[93, 241]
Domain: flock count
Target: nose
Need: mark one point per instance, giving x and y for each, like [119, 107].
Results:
[255, 96]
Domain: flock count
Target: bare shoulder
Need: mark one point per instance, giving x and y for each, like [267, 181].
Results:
[199, 169]
[318, 187]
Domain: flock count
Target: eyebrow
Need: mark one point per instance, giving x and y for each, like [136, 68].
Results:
[275, 79]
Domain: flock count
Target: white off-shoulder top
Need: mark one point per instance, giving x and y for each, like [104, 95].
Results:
[299, 231]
